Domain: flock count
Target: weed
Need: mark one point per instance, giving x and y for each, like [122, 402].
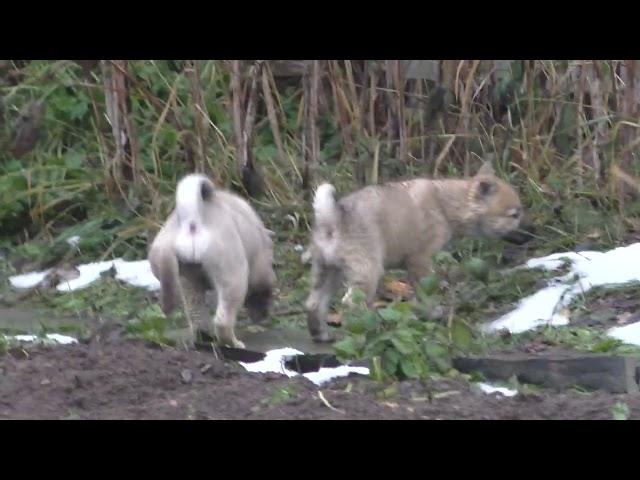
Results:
[620, 411]
[280, 396]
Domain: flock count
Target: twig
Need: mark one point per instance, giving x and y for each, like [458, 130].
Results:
[443, 154]
[328, 405]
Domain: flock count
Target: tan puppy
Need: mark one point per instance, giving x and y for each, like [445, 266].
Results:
[213, 239]
[399, 224]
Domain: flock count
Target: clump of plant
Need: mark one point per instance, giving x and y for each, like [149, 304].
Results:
[400, 340]
[418, 338]
[150, 325]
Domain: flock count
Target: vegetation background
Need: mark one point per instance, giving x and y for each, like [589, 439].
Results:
[93, 148]
[101, 143]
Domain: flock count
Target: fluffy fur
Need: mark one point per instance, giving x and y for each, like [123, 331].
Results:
[398, 225]
[213, 240]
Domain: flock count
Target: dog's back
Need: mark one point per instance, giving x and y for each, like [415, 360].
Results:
[384, 218]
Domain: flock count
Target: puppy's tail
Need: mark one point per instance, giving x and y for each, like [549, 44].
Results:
[192, 192]
[325, 207]
[192, 239]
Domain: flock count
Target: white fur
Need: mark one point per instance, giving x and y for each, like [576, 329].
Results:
[324, 203]
[347, 298]
[190, 246]
[326, 218]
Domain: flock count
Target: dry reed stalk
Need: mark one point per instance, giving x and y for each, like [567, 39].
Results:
[272, 114]
[341, 108]
[123, 166]
[200, 114]
[311, 141]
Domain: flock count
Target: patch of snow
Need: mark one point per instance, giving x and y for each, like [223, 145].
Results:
[89, 273]
[137, 273]
[489, 389]
[52, 337]
[587, 270]
[537, 309]
[28, 280]
[325, 374]
[274, 361]
[629, 334]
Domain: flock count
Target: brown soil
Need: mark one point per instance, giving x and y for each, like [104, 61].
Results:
[114, 378]
[613, 308]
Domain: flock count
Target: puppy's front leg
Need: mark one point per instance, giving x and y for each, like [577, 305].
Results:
[420, 265]
[364, 274]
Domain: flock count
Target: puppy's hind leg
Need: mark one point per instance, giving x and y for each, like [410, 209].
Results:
[195, 305]
[325, 284]
[259, 301]
[225, 320]
[260, 295]
[420, 264]
[231, 295]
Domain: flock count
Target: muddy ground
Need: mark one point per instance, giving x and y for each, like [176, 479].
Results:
[110, 377]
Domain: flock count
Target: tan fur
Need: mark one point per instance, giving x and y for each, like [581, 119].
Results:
[237, 263]
[399, 225]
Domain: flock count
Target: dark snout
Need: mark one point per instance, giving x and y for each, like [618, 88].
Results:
[522, 235]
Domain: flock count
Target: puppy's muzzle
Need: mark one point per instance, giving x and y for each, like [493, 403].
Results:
[521, 235]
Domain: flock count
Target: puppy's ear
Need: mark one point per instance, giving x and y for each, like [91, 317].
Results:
[206, 191]
[486, 170]
[484, 188]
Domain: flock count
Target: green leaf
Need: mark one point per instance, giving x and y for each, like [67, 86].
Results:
[390, 314]
[355, 325]
[607, 345]
[74, 159]
[444, 258]
[429, 308]
[404, 347]
[346, 348]
[78, 109]
[461, 334]
[409, 367]
[477, 268]
[439, 356]
[169, 136]
[390, 361]
[13, 165]
[404, 308]
[370, 321]
[361, 324]
[428, 285]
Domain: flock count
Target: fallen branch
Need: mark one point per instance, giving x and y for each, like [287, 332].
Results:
[328, 405]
